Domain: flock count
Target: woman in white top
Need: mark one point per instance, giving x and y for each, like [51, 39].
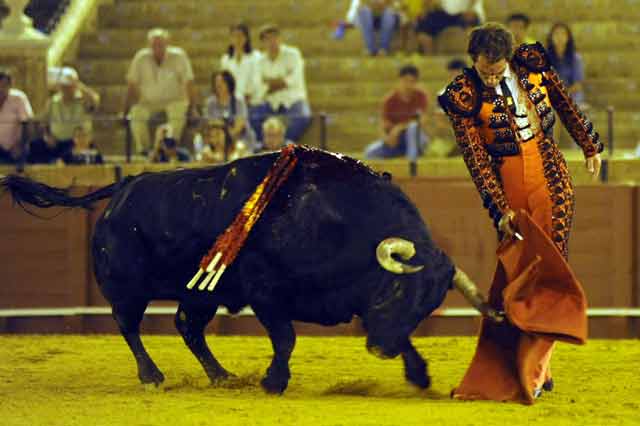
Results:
[240, 60]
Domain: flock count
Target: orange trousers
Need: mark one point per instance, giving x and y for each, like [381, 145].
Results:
[526, 189]
[534, 284]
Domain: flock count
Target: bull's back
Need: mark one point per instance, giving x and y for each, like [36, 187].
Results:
[154, 231]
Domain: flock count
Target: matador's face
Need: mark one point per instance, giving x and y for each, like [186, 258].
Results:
[490, 72]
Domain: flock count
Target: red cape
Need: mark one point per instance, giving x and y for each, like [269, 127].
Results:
[543, 302]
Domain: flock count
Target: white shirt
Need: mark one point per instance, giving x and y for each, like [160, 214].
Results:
[15, 109]
[289, 66]
[63, 118]
[523, 105]
[243, 72]
[352, 13]
[160, 84]
[454, 7]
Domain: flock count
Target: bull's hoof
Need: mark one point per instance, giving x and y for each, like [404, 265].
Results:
[152, 377]
[419, 379]
[221, 377]
[274, 385]
[548, 385]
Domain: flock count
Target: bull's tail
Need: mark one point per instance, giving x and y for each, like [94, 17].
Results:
[27, 191]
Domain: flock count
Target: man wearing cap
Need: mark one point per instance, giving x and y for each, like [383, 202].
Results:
[160, 79]
[70, 107]
[280, 71]
[15, 109]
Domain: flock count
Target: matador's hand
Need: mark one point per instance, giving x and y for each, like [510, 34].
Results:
[506, 226]
[593, 164]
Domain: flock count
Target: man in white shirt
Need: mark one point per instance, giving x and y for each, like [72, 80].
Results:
[15, 109]
[160, 79]
[280, 71]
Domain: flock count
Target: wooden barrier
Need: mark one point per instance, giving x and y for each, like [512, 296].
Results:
[621, 170]
[46, 263]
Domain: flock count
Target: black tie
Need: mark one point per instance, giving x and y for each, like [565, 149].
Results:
[508, 95]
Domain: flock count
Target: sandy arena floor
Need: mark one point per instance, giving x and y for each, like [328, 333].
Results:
[78, 380]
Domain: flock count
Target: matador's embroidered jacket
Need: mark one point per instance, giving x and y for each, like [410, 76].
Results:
[487, 130]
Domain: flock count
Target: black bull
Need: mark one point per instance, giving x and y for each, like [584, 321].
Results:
[315, 255]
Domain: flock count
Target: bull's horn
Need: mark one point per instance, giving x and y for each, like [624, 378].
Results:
[469, 290]
[403, 248]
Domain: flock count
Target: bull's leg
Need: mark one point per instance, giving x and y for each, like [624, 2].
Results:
[191, 322]
[283, 340]
[128, 316]
[415, 368]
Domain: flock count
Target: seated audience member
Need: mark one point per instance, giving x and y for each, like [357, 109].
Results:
[273, 130]
[70, 106]
[518, 24]
[349, 21]
[160, 79]
[165, 147]
[15, 109]
[376, 18]
[564, 57]
[281, 72]
[442, 14]
[224, 105]
[454, 68]
[219, 146]
[241, 61]
[82, 151]
[403, 119]
[408, 11]
[446, 147]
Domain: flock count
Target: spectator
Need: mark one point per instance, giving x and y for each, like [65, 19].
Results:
[518, 24]
[408, 12]
[165, 147]
[224, 105]
[445, 147]
[241, 61]
[82, 151]
[564, 58]
[281, 71]
[219, 146]
[273, 130]
[403, 119]
[160, 80]
[455, 67]
[349, 21]
[376, 16]
[15, 109]
[442, 14]
[70, 106]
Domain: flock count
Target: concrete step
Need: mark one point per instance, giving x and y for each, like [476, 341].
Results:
[173, 14]
[176, 14]
[565, 10]
[367, 97]
[315, 40]
[615, 65]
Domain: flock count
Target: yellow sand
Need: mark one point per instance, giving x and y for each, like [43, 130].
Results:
[78, 380]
